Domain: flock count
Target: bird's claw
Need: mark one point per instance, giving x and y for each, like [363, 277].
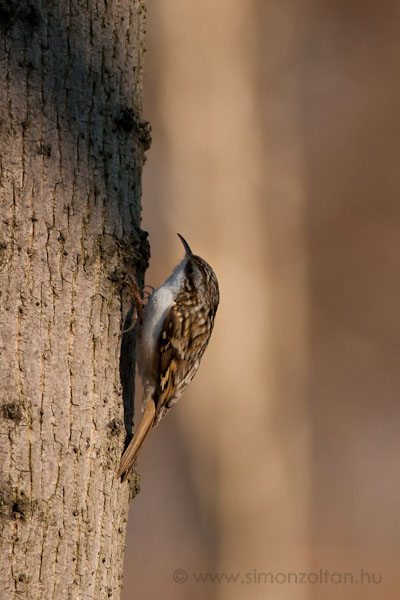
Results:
[138, 304]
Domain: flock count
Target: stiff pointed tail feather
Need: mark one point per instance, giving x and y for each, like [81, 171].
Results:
[130, 454]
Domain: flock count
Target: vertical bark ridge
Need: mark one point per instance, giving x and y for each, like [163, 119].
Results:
[72, 144]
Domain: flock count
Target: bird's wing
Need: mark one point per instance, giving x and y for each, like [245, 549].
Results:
[173, 364]
[181, 344]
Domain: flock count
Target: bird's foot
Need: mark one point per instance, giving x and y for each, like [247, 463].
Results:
[139, 303]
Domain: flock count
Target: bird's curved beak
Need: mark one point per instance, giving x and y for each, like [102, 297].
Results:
[185, 245]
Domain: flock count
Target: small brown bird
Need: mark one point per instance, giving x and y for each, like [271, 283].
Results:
[177, 323]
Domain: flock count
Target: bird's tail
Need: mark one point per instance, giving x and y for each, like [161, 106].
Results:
[130, 454]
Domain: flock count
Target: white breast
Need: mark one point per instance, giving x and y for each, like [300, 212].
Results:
[153, 318]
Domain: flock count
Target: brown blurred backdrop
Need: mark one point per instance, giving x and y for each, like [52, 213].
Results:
[276, 128]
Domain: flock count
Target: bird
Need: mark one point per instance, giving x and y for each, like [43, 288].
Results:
[175, 329]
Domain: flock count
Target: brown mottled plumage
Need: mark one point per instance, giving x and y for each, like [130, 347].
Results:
[177, 324]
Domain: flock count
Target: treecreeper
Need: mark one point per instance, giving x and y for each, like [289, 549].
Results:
[173, 334]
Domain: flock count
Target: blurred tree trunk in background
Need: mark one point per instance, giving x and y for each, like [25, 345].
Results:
[72, 148]
[241, 441]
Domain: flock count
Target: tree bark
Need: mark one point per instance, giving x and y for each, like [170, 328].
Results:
[72, 145]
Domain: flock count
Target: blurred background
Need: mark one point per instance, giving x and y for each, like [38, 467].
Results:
[276, 150]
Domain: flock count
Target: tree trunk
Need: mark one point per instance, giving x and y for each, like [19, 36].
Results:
[72, 146]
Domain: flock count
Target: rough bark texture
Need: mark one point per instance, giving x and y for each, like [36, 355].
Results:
[72, 148]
